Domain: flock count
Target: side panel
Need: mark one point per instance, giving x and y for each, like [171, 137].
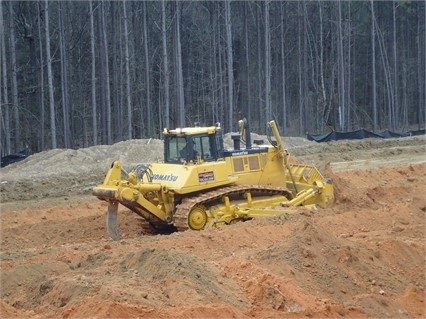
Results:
[184, 179]
[264, 168]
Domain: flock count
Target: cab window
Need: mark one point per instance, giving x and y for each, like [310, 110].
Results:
[173, 147]
[203, 147]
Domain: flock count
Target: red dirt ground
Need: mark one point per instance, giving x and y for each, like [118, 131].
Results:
[362, 258]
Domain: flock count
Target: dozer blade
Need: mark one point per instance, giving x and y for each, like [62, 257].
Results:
[111, 221]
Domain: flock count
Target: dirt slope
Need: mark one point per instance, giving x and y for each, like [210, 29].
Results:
[362, 258]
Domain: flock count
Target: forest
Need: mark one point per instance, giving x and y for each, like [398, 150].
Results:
[82, 73]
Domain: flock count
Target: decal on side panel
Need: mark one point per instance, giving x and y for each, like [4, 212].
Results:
[206, 176]
[165, 177]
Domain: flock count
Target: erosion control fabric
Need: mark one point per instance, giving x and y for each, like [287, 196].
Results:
[359, 135]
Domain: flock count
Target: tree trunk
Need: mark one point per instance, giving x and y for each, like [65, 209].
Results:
[373, 66]
[325, 109]
[404, 78]
[421, 69]
[213, 66]
[102, 86]
[15, 101]
[106, 81]
[64, 77]
[50, 76]
[261, 120]
[93, 88]
[247, 56]
[147, 72]
[387, 75]
[127, 61]
[178, 67]
[299, 66]
[267, 62]
[115, 74]
[307, 106]
[166, 116]
[283, 71]
[230, 63]
[4, 102]
[395, 67]
[220, 66]
[348, 119]
[342, 91]
[41, 96]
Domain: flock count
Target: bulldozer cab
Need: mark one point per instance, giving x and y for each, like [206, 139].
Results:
[193, 144]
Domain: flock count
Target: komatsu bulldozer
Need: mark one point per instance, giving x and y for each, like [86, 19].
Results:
[200, 184]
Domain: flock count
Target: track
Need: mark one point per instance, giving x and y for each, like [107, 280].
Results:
[215, 197]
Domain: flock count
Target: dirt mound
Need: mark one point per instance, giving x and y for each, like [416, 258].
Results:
[32, 281]
[65, 172]
[95, 308]
[339, 268]
[182, 273]
[83, 161]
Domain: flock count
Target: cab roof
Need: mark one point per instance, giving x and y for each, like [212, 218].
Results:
[192, 130]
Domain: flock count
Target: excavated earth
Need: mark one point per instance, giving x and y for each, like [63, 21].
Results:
[364, 257]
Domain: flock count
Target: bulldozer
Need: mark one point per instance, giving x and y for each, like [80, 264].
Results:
[200, 184]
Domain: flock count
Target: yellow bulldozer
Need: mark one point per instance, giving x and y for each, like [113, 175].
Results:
[200, 184]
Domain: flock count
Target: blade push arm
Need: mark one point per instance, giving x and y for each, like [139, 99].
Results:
[281, 149]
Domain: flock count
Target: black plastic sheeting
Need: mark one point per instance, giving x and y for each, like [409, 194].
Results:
[13, 158]
[359, 135]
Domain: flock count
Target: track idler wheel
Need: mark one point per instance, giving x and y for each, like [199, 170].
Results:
[111, 221]
[197, 218]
